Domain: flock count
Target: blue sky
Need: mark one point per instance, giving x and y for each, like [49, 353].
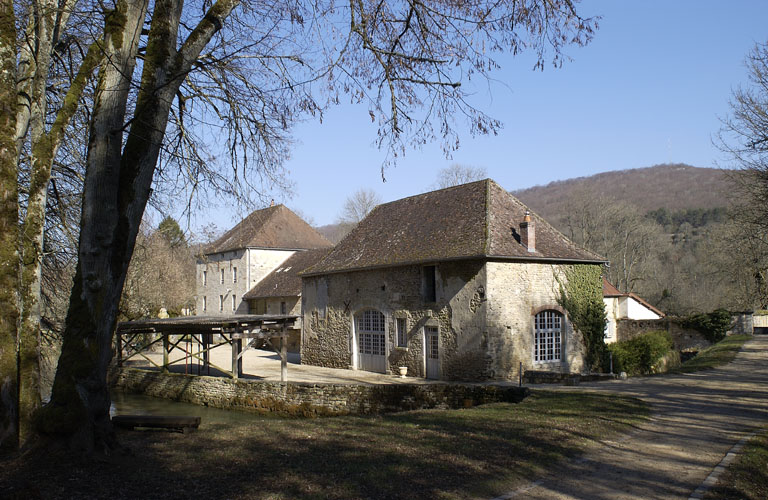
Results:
[649, 89]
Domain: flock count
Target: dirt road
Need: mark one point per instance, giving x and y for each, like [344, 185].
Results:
[696, 419]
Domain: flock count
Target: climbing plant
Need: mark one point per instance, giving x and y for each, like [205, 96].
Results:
[581, 295]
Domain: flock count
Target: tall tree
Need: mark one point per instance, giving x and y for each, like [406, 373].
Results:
[744, 138]
[247, 71]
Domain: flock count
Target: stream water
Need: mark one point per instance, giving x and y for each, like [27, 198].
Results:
[133, 404]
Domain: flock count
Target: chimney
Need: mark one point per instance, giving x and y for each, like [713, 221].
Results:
[528, 232]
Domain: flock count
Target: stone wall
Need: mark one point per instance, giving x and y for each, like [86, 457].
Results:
[743, 323]
[516, 293]
[331, 302]
[306, 399]
[683, 338]
[484, 312]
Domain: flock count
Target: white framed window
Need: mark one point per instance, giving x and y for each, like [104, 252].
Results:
[205, 278]
[221, 303]
[370, 329]
[222, 276]
[548, 337]
[234, 275]
[233, 302]
[205, 303]
[401, 332]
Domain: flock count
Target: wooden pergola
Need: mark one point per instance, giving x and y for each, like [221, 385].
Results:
[207, 332]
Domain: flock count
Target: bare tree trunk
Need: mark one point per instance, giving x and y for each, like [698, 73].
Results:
[9, 216]
[117, 188]
[79, 406]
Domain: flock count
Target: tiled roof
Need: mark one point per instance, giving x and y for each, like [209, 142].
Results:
[475, 220]
[273, 227]
[285, 281]
[611, 291]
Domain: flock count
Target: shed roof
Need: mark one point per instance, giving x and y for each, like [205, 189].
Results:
[272, 227]
[475, 220]
[285, 280]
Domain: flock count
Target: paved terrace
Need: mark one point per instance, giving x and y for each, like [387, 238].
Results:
[264, 365]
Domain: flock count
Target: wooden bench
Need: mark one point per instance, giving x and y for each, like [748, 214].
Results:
[176, 423]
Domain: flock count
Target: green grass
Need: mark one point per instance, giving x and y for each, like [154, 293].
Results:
[719, 354]
[445, 454]
[747, 478]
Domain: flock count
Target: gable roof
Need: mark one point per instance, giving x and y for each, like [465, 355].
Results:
[285, 280]
[272, 227]
[611, 291]
[475, 220]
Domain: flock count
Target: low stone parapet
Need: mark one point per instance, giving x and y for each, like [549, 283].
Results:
[310, 399]
[548, 377]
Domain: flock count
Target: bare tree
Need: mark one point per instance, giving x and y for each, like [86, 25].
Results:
[616, 231]
[358, 205]
[459, 174]
[221, 80]
[744, 138]
[161, 274]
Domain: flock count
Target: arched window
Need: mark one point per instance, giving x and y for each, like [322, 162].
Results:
[548, 334]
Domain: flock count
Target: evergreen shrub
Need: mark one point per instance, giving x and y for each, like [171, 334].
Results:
[712, 325]
[639, 355]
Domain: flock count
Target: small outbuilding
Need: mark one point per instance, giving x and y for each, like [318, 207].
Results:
[457, 284]
[621, 305]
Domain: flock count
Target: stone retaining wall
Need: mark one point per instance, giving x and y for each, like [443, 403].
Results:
[307, 399]
[683, 338]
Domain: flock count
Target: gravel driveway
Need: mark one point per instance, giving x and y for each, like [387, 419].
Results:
[696, 419]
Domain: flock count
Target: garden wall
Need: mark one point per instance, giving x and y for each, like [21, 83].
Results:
[683, 338]
[308, 399]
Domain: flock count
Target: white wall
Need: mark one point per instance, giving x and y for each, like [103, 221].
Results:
[252, 265]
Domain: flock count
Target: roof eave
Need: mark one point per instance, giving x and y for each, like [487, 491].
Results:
[506, 258]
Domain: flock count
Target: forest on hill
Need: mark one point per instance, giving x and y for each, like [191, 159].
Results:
[674, 187]
[670, 232]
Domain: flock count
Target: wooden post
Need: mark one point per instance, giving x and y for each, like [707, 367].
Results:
[165, 352]
[119, 341]
[237, 361]
[283, 358]
[207, 341]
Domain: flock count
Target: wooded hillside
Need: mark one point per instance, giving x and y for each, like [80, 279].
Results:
[674, 187]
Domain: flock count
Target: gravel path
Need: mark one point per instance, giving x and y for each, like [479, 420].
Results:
[696, 419]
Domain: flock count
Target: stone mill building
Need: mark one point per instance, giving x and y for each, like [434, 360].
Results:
[457, 284]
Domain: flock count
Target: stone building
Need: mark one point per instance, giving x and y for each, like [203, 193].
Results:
[620, 305]
[279, 292]
[246, 254]
[460, 283]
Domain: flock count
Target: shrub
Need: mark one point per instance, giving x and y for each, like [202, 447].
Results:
[639, 355]
[712, 325]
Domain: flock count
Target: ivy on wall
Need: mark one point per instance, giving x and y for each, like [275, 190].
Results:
[581, 295]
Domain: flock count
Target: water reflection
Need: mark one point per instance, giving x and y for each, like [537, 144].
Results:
[133, 404]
